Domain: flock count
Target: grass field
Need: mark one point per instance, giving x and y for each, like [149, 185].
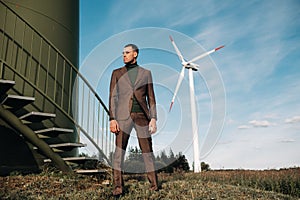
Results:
[224, 184]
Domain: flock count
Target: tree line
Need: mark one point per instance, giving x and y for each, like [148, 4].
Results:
[164, 162]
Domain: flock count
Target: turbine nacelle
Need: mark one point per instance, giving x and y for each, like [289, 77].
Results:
[189, 65]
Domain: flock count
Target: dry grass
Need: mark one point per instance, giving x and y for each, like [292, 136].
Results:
[55, 185]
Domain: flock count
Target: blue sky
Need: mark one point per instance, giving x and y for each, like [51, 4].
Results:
[254, 79]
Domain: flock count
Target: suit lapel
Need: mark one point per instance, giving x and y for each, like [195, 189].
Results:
[139, 76]
[124, 75]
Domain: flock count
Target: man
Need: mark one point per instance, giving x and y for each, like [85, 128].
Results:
[132, 105]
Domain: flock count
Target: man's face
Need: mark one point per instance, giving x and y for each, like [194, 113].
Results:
[129, 55]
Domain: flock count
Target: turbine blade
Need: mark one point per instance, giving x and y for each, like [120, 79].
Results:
[205, 54]
[171, 106]
[218, 48]
[177, 86]
[176, 49]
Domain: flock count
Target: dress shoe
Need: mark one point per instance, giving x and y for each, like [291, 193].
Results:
[117, 191]
[154, 188]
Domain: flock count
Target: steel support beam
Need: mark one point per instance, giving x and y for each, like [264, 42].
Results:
[29, 134]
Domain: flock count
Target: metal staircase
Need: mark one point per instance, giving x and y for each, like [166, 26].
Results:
[14, 103]
[42, 89]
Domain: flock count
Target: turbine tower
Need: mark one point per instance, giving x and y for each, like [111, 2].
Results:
[191, 66]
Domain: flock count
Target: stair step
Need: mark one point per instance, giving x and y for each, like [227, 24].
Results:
[78, 160]
[90, 171]
[62, 147]
[37, 116]
[16, 102]
[53, 132]
[5, 85]
[66, 146]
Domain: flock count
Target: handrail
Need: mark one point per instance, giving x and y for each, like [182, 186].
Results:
[52, 68]
[3, 64]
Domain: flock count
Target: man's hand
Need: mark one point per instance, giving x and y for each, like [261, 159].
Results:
[114, 126]
[152, 126]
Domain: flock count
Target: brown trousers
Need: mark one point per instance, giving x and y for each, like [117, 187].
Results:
[140, 123]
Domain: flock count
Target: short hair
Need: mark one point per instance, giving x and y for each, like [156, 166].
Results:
[134, 47]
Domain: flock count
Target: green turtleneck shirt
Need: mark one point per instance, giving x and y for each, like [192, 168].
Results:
[132, 70]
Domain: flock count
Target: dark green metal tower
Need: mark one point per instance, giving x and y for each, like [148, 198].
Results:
[41, 69]
[57, 20]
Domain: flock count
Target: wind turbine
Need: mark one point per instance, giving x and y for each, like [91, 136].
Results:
[191, 66]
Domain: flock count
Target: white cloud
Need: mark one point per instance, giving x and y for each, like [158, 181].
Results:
[257, 124]
[295, 119]
[288, 141]
[263, 123]
[244, 127]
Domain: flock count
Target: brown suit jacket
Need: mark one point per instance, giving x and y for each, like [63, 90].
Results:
[122, 91]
